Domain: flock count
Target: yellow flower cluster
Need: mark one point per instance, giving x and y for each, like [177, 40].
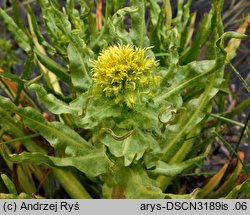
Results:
[122, 71]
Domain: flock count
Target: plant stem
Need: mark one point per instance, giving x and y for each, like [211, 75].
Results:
[244, 83]
[242, 132]
[71, 184]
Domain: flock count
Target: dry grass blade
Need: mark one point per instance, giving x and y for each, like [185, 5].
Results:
[214, 181]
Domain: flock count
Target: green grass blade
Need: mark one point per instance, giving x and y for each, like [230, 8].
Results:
[227, 120]
[245, 127]
[244, 83]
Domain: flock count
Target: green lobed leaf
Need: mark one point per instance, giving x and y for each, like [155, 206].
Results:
[154, 13]
[137, 184]
[174, 169]
[134, 183]
[117, 29]
[138, 30]
[83, 20]
[196, 110]
[145, 118]
[78, 21]
[97, 111]
[132, 148]
[58, 39]
[158, 35]
[200, 38]
[21, 38]
[78, 55]
[229, 34]
[62, 21]
[15, 128]
[60, 136]
[93, 164]
[55, 105]
[217, 30]
[184, 76]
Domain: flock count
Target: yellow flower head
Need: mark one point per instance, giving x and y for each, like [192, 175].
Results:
[122, 71]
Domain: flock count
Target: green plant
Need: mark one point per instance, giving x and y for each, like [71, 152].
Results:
[7, 55]
[130, 128]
